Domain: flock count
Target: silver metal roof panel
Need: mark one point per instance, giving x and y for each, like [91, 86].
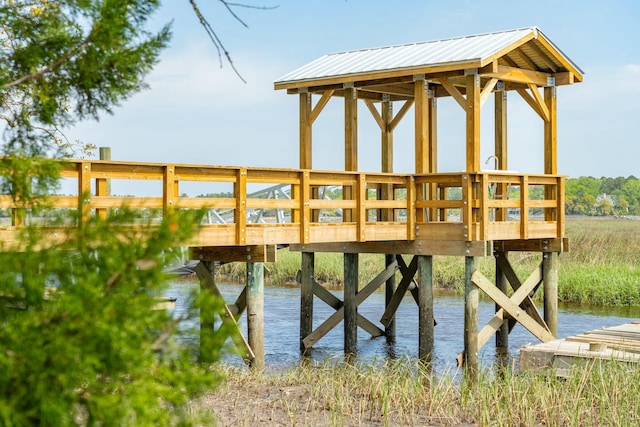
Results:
[402, 57]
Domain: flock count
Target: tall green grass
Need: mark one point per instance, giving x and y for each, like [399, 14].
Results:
[602, 266]
[403, 392]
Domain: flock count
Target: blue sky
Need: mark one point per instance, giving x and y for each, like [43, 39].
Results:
[197, 112]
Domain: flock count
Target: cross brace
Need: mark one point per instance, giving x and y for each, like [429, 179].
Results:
[517, 308]
[338, 305]
[229, 314]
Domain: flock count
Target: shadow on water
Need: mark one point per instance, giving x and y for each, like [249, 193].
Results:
[282, 306]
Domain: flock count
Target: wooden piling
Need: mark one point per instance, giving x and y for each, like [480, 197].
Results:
[350, 304]
[255, 312]
[306, 296]
[390, 289]
[425, 308]
[502, 334]
[471, 299]
[550, 280]
[207, 320]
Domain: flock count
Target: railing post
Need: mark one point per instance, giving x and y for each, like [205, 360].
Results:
[560, 200]
[305, 210]
[484, 206]
[524, 207]
[103, 185]
[411, 209]
[84, 192]
[240, 216]
[361, 212]
[168, 189]
[467, 207]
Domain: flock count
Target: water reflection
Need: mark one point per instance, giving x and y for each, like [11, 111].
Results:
[282, 305]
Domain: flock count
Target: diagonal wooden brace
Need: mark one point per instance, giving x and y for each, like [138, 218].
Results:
[226, 314]
[335, 303]
[512, 305]
[408, 272]
[361, 296]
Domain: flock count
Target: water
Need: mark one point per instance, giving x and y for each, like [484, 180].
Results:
[281, 318]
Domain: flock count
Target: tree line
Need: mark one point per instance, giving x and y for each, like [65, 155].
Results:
[603, 196]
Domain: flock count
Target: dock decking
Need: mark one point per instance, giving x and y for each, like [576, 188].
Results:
[616, 343]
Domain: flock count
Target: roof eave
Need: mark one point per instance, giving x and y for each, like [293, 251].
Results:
[377, 75]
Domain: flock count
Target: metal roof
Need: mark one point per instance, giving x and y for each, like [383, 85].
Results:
[460, 50]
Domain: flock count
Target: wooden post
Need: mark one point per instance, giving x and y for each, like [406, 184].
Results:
[350, 304]
[471, 299]
[502, 334]
[305, 130]
[501, 146]
[207, 321]
[425, 307]
[433, 149]
[390, 289]
[550, 280]
[306, 296]
[350, 142]
[103, 185]
[421, 123]
[473, 121]
[255, 312]
[550, 151]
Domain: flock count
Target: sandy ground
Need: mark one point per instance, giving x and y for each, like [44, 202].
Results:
[260, 405]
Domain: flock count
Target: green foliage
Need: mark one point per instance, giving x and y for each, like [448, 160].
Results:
[68, 60]
[603, 196]
[82, 342]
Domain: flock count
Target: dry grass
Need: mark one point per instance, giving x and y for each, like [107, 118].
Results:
[405, 393]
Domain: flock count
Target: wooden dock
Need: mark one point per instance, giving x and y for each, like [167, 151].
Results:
[617, 343]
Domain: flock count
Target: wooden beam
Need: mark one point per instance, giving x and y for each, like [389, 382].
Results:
[550, 280]
[550, 132]
[473, 123]
[307, 279]
[84, 192]
[376, 115]
[208, 285]
[336, 317]
[519, 75]
[335, 303]
[403, 111]
[487, 89]
[421, 123]
[471, 301]
[543, 57]
[453, 91]
[305, 131]
[350, 129]
[240, 213]
[255, 253]
[511, 306]
[380, 76]
[326, 96]
[408, 272]
[425, 307]
[533, 102]
[501, 146]
[255, 313]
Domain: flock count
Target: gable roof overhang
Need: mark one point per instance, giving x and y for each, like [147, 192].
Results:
[518, 58]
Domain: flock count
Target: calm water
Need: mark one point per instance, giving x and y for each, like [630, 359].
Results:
[282, 306]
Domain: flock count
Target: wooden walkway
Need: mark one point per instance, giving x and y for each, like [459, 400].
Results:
[616, 343]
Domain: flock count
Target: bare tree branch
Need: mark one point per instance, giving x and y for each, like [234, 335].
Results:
[222, 50]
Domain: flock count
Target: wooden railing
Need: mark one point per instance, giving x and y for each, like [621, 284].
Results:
[444, 206]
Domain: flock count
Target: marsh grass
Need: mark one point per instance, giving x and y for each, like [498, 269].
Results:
[403, 392]
[602, 266]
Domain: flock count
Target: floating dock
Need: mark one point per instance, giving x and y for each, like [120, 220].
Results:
[617, 343]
